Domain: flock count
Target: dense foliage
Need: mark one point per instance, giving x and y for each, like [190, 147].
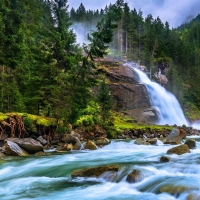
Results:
[153, 43]
[43, 70]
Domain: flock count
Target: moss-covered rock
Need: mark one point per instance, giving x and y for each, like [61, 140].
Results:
[94, 171]
[181, 149]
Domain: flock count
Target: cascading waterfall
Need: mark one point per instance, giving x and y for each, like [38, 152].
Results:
[164, 102]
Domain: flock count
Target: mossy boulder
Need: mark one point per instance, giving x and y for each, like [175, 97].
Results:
[191, 143]
[181, 149]
[94, 171]
[135, 176]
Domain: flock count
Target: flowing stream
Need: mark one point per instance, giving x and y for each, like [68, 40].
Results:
[48, 177]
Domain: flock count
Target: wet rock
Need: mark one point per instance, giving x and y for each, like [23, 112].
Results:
[191, 143]
[181, 149]
[103, 141]
[77, 146]
[30, 145]
[42, 140]
[94, 171]
[54, 142]
[71, 139]
[90, 145]
[110, 176]
[135, 176]
[152, 141]
[141, 141]
[175, 190]
[175, 136]
[193, 197]
[12, 149]
[164, 159]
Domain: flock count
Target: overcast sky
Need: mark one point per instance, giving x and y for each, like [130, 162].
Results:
[175, 12]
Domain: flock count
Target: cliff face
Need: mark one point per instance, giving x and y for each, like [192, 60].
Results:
[129, 96]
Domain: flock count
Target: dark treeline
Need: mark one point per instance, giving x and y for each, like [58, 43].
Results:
[154, 44]
[43, 70]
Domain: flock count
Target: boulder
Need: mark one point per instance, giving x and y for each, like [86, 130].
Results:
[141, 141]
[103, 141]
[152, 141]
[30, 145]
[77, 146]
[42, 140]
[181, 149]
[12, 149]
[94, 171]
[71, 139]
[191, 143]
[90, 145]
[175, 136]
[164, 159]
[135, 176]
[176, 190]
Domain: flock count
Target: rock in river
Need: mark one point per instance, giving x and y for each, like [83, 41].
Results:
[181, 149]
[94, 171]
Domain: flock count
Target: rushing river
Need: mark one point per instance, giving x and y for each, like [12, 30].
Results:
[48, 177]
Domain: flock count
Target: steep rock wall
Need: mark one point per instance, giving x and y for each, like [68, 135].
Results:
[129, 96]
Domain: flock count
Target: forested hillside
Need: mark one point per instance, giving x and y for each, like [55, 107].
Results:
[44, 71]
[151, 42]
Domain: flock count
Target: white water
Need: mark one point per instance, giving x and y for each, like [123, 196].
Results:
[164, 102]
[48, 177]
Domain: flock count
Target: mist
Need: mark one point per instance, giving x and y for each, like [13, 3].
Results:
[176, 12]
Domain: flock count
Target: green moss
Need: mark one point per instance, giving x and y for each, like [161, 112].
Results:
[39, 120]
[126, 123]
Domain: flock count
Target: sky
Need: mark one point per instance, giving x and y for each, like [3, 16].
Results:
[176, 12]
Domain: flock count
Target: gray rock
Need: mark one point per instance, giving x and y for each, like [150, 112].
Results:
[42, 140]
[12, 149]
[30, 145]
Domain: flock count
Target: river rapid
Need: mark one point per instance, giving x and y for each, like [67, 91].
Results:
[48, 177]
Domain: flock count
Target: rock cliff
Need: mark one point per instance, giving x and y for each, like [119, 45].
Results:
[129, 96]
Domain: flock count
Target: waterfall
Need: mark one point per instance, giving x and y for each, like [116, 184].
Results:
[166, 104]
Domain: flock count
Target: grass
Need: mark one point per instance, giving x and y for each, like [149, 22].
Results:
[126, 123]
